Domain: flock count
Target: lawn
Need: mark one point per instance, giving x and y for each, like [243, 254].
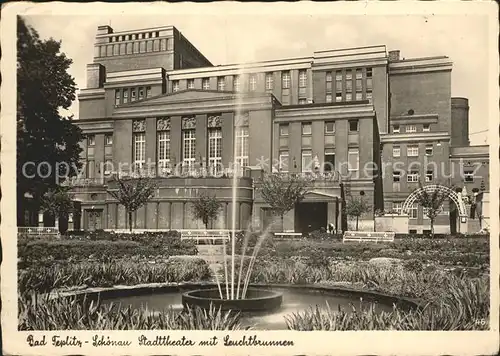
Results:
[449, 275]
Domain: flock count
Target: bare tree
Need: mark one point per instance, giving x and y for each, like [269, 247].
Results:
[432, 202]
[357, 207]
[283, 191]
[206, 208]
[133, 193]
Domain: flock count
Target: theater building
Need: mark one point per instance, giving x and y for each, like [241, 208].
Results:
[154, 104]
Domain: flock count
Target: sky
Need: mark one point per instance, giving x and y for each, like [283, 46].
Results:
[237, 38]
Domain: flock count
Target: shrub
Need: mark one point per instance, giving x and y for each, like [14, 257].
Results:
[463, 307]
[92, 274]
[41, 313]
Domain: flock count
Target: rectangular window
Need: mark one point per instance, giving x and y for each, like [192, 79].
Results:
[411, 128]
[429, 148]
[396, 151]
[215, 149]
[328, 77]
[148, 92]
[429, 176]
[133, 95]
[283, 161]
[329, 82]
[359, 96]
[353, 125]
[221, 83]
[396, 176]
[117, 96]
[338, 97]
[348, 85]
[189, 148]
[412, 151]
[329, 165]
[369, 79]
[108, 166]
[302, 79]
[252, 81]
[307, 161]
[353, 159]
[427, 128]
[175, 86]
[338, 81]
[329, 98]
[285, 79]
[330, 127]
[468, 176]
[359, 80]
[395, 129]
[91, 140]
[348, 75]
[108, 139]
[139, 150]
[242, 146]
[236, 83]
[141, 93]
[413, 211]
[348, 97]
[125, 96]
[397, 206]
[163, 150]
[306, 129]
[269, 81]
[205, 83]
[284, 130]
[369, 96]
[302, 101]
[412, 177]
[190, 83]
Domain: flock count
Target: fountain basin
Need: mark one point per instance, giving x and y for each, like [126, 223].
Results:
[256, 300]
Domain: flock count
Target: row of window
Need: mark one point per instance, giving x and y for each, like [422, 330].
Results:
[410, 128]
[252, 82]
[108, 140]
[329, 128]
[139, 93]
[412, 176]
[413, 150]
[144, 46]
[346, 78]
[310, 164]
[134, 36]
[188, 150]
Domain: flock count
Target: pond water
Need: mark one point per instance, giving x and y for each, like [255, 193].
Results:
[294, 300]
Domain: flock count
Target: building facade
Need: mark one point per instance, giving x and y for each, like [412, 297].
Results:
[357, 120]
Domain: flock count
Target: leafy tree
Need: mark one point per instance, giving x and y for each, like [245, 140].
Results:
[432, 202]
[133, 193]
[283, 191]
[57, 202]
[357, 207]
[206, 208]
[43, 135]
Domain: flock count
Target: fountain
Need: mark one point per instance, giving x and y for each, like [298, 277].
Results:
[238, 296]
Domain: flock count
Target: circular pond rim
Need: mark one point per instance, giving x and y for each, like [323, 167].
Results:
[154, 288]
[259, 299]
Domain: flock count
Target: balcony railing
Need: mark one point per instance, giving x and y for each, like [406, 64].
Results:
[83, 182]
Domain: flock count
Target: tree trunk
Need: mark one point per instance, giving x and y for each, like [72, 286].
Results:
[432, 227]
[130, 221]
[282, 225]
[357, 220]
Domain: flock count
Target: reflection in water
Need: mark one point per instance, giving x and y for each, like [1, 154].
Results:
[293, 301]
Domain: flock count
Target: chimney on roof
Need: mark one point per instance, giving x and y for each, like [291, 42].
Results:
[394, 55]
[104, 30]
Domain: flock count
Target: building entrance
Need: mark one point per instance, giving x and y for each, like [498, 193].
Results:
[310, 216]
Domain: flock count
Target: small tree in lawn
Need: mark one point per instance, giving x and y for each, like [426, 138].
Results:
[432, 202]
[133, 193]
[206, 208]
[57, 202]
[283, 191]
[357, 207]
